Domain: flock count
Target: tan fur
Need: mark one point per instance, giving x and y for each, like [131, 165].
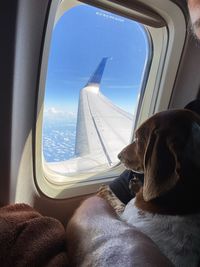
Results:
[106, 193]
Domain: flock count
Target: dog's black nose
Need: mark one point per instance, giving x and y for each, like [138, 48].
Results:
[119, 156]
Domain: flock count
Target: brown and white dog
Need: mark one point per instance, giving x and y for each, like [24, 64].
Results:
[166, 149]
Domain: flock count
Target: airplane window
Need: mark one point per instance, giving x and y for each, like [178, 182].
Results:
[95, 73]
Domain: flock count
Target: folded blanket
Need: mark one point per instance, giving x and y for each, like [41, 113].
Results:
[28, 239]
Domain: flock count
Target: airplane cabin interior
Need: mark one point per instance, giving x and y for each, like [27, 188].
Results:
[32, 62]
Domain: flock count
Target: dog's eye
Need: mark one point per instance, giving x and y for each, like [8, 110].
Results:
[135, 140]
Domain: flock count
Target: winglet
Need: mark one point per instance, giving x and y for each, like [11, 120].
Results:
[97, 75]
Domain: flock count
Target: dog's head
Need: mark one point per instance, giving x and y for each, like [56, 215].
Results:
[166, 147]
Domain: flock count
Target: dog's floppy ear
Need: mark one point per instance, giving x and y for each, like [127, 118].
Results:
[161, 166]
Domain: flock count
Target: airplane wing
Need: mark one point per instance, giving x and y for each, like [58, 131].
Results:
[103, 129]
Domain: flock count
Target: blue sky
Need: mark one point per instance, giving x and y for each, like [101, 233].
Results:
[81, 38]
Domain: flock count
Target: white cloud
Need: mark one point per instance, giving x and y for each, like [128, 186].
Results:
[53, 112]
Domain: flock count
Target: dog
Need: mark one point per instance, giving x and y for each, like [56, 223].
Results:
[166, 149]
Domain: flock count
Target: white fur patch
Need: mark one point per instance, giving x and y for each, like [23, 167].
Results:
[178, 237]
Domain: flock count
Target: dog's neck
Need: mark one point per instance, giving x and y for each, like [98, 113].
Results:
[183, 199]
[171, 203]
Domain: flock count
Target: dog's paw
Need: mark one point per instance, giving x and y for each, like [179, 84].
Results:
[134, 185]
[106, 193]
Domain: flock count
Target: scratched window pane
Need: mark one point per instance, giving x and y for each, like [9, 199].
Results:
[95, 71]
